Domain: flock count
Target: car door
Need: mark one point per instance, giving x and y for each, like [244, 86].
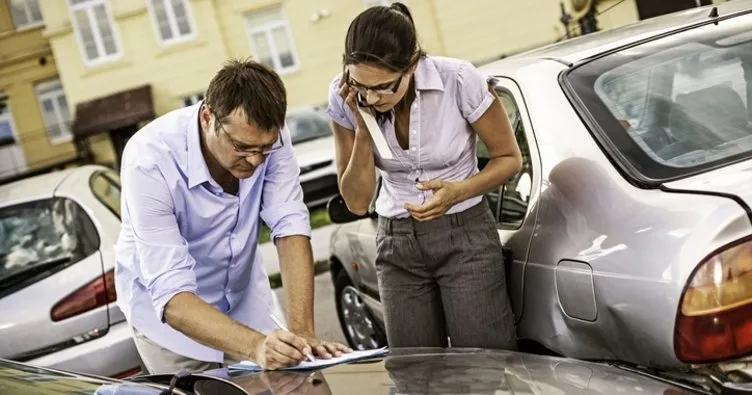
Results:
[514, 203]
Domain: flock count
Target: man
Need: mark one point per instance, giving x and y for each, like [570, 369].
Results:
[196, 183]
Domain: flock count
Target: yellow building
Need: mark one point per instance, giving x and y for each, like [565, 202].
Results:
[124, 62]
[34, 115]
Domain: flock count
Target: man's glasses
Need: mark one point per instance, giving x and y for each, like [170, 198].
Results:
[246, 152]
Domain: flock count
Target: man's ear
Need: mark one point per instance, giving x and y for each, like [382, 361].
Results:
[204, 115]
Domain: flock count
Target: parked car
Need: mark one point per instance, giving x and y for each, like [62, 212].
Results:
[405, 371]
[628, 231]
[57, 295]
[313, 142]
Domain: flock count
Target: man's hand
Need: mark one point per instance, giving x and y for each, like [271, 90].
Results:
[281, 349]
[445, 195]
[326, 350]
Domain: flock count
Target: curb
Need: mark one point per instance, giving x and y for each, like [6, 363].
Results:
[275, 280]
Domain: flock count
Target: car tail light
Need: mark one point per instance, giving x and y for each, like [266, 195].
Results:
[714, 322]
[92, 295]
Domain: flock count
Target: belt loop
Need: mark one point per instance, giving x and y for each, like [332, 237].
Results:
[389, 223]
[456, 219]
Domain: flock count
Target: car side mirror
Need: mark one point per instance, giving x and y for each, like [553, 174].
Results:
[338, 212]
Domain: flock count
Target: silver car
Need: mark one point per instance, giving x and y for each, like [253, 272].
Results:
[313, 144]
[57, 294]
[628, 232]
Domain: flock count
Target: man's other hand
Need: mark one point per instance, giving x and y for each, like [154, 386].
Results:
[326, 350]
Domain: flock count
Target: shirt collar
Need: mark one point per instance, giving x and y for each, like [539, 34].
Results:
[426, 75]
[198, 172]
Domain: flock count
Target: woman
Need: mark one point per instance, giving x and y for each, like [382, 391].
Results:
[439, 259]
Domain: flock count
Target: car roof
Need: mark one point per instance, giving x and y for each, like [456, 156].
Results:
[40, 186]
[583, 47]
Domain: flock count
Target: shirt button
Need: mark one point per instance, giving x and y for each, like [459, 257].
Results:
[415, 131]
[415, 105]
[413, 148]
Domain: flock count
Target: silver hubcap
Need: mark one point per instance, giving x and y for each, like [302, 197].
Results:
[359, 327]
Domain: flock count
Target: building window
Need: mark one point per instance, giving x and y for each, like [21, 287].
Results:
[95, 30]
[7, 135]
[55, 111]
[192, 99]
[25, 13]
[172, 19]
[271, 40]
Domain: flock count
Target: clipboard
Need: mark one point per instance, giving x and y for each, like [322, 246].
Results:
[376, 135]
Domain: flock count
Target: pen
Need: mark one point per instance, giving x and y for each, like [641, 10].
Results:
[282, 326]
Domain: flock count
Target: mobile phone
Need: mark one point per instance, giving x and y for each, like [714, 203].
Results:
[359, 99]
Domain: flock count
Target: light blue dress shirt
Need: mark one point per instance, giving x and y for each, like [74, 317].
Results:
[450, 95]
[182, 233]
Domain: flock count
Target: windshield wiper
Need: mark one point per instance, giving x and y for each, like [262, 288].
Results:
[35, 270]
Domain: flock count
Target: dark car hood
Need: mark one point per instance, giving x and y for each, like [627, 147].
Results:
[452, 371]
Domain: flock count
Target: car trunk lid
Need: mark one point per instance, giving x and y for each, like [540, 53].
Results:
[733, 181]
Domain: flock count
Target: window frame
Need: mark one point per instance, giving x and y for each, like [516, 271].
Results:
[509, 87]
[267, 30]
[88, 6]
[7, 115]
[172, 22]
[27, 10]
[67, 133]
[103, 174]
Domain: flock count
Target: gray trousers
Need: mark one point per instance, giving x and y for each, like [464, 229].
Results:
[159, 360]
[444, 278]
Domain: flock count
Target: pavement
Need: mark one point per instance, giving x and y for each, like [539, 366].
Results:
[319, 244]
[326, 321]
[325, 318]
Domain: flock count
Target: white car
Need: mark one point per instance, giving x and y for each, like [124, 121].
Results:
[57, 295]
[313, 144]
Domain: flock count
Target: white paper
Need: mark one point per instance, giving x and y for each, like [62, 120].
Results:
[317, 363]
[378, 138]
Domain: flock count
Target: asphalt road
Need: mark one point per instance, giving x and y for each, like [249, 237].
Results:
[325, 311]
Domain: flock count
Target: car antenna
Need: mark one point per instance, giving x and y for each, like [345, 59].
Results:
[713, 12]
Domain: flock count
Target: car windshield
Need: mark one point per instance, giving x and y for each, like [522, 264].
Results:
[675, 106]
[308, 125]
[41, 232]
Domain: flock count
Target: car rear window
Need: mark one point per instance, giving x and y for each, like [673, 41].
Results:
[43, 231]
[675, 106]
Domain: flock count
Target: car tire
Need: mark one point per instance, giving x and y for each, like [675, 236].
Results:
[358, 325]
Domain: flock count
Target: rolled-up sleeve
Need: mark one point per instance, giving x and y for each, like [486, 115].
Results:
[472, 92]
[338, 111]
[282, 206]
[165, 265]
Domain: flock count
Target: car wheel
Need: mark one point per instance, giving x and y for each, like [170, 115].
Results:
[358, 325]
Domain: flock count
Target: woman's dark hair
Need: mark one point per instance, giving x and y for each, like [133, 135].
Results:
[383, 36]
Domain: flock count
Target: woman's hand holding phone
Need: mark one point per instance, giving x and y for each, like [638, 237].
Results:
[350, 96]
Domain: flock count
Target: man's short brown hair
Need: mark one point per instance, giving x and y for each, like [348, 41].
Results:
[252, 86]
